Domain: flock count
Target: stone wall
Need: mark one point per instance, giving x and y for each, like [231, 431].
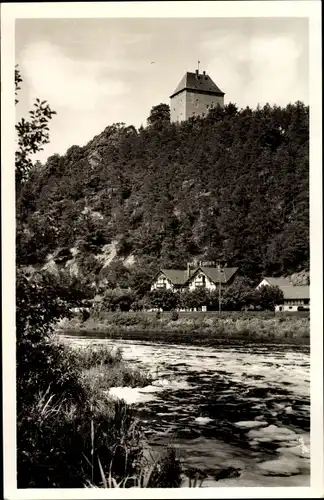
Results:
[188, 104]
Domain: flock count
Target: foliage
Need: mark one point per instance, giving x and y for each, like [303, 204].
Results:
[94, 356]
[238, 295]
[232, 186]
[115, 275]
[117, 300]
[174, 316]
[59, 444]
[60, 428]
[159, 116]
[268, 297]
[207, 328]
[32, 134]
[164, 299]
[40, 302]
[165, 472]
[196, 298]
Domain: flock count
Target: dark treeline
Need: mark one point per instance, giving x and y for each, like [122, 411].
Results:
[231, 187]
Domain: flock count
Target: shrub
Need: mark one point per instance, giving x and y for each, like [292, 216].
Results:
[174, 316]
[164, 299]
[85, 315]
[268, 297]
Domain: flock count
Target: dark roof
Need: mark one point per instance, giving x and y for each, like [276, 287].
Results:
[278, 281]
[295, 292]
[180, 276]
[217, 276]
[176, 276]
[202, 83]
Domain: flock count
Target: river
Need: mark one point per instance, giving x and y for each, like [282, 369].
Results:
[242, 410]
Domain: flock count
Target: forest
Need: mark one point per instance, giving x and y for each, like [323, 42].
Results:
[232, 187]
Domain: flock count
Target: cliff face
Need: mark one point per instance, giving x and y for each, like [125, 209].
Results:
[230, 187]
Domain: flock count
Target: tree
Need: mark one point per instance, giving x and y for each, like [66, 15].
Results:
[164, 299]
[140, 280]
[268, 297]
[195, 299]
[32, 134]
[238, 295]
[117, 299]
[233, 185]
[159, 116]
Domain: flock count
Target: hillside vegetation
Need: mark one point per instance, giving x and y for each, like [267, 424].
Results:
[231, 187]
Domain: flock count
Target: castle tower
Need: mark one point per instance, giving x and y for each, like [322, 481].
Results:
[194, 96]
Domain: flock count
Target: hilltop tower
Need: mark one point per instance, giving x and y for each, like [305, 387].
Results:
[194, 96]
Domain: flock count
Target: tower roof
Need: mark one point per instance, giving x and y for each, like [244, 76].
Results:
[197, 82]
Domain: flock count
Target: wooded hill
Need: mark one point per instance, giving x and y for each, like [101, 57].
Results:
[233, 186]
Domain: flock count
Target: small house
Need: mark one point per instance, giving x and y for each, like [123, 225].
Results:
[211, 277]
[295, 297]
[170, 279]
[192, 278]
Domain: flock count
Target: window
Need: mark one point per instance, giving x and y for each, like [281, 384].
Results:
[290, 307]
[200, 281]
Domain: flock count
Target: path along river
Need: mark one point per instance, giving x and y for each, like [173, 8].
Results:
[244, 409]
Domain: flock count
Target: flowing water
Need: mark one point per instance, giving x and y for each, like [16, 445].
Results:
[241, 415]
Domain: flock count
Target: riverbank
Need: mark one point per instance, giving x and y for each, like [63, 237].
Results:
[208, 329]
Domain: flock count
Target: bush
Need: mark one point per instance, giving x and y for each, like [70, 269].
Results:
[85, 315]
[268, 297]
[117, 299]
[164, 299]
[174, 316]
[56, 409]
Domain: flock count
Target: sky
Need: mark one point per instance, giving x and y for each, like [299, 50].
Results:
[95, 72]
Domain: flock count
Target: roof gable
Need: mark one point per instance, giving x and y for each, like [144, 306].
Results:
[176, 276]
[215, 275]
[202, 83]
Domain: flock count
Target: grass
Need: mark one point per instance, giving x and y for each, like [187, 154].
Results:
[164, 472]
[210, 329]
[102, 367]
[60, 440]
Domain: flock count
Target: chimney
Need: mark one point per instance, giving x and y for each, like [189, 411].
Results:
[188, 269]
[197, 74]
[204, 73]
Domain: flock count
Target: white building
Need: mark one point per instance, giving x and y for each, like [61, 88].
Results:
[191, 279]
[295, 297]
